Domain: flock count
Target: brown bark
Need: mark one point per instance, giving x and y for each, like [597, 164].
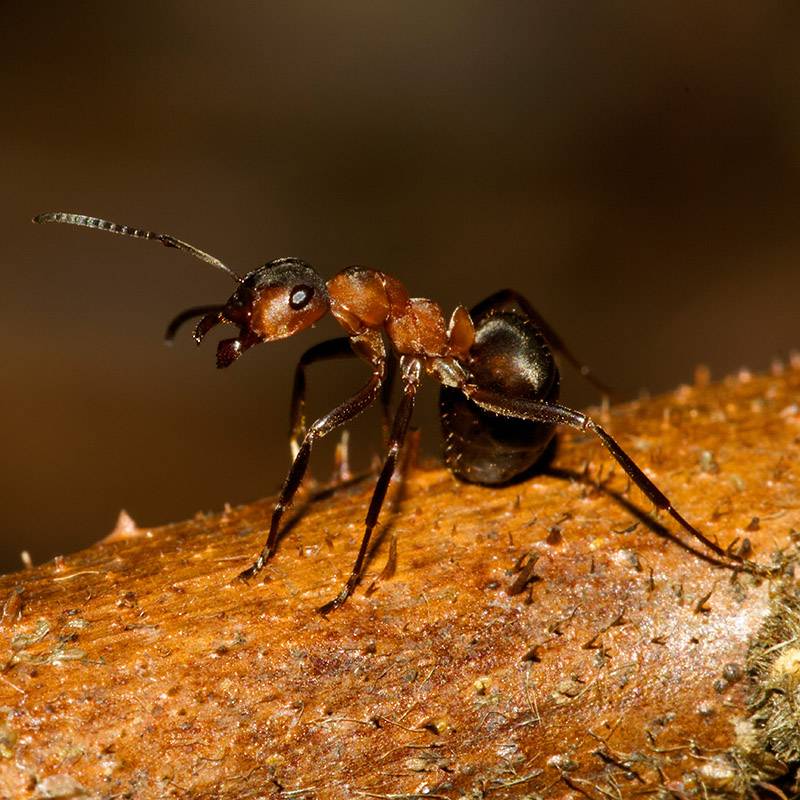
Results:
[627, 665]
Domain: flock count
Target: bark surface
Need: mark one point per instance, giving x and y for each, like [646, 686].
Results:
[546, 639]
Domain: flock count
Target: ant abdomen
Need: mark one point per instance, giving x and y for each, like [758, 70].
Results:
[511, 357]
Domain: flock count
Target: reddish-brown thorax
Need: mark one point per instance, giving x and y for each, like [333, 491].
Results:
[364, 299]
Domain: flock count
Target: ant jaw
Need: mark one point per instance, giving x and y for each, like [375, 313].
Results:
[228, 350]
[208, 322]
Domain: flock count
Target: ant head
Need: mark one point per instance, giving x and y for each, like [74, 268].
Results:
[272, 302]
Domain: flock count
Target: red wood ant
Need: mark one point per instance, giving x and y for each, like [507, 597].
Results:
[499, 379]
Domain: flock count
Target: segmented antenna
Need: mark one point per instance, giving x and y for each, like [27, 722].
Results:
[82, 220]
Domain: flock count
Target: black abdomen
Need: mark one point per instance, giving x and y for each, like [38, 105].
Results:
[512, 358]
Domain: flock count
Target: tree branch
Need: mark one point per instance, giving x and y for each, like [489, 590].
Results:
[544, 639]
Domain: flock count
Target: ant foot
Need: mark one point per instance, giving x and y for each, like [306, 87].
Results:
[337, 601]
[739, 555]
[331, 606]
[761, 570]
[253, 569]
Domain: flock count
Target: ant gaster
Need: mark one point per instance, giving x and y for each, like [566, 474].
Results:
[499, 380]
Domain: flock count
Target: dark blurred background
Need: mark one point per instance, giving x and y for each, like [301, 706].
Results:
[633, 168]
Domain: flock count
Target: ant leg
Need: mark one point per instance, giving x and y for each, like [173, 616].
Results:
[411, 371]
[324, 351]
[386, 393]
[351, 408]
[510, 300]
[555, 414]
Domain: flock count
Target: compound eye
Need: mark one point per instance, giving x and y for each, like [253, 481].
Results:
[300, 296]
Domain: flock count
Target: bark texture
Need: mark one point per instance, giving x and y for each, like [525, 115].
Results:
[547, 639]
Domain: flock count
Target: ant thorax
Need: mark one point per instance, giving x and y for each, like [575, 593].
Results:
[363, 299]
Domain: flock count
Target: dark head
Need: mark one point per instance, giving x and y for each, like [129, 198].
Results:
[272, 302]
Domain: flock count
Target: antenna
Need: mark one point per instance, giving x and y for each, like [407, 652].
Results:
[81, 220]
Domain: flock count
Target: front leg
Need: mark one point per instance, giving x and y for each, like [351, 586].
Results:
[348, 410]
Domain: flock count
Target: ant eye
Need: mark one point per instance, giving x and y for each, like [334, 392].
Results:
[300, 296]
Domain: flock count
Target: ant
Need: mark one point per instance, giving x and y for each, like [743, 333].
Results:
[500, 383]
